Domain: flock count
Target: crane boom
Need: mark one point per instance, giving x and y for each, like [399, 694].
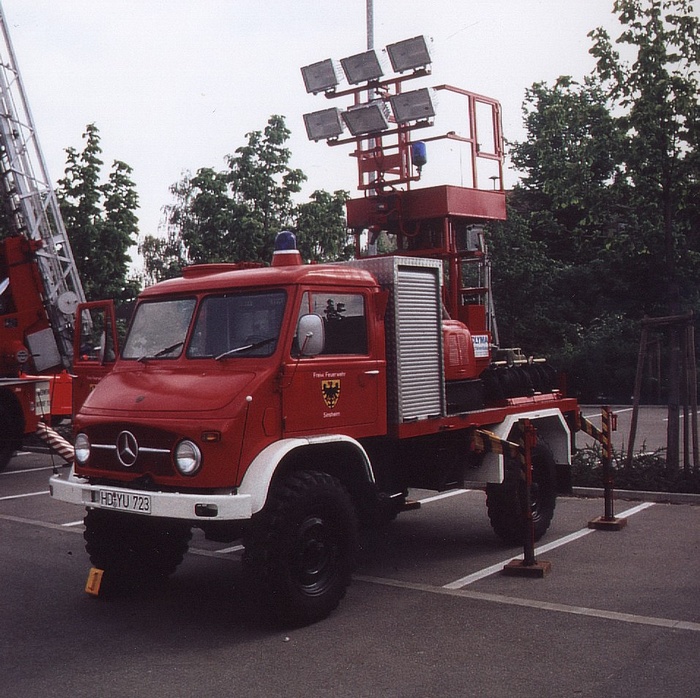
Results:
[29, 200]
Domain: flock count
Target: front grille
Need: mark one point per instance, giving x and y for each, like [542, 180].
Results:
[130, 448]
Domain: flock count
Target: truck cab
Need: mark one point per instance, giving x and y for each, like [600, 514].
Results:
[223, 374]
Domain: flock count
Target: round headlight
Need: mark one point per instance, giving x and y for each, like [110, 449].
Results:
[188, 457]
[81, 447]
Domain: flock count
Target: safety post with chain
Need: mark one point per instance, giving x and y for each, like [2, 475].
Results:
[485, 441]
[608, 521]
[529, 566]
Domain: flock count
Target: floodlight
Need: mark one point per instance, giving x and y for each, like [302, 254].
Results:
[412, 106]
[319, 77]
[324, 124]
[362, 67]
[366, 118]
[409, 54]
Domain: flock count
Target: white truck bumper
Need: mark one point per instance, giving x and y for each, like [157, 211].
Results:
[172, 505]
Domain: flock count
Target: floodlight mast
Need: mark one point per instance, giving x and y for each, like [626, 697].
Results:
[383, 155]
[445, 221]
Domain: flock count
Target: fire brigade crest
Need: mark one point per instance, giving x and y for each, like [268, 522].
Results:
[331, 392]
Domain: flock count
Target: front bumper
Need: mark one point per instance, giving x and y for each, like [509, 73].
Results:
[172, 505]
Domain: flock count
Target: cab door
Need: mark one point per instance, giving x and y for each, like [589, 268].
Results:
[95, 348]
[342, 389]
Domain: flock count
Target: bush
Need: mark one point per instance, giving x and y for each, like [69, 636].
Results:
[647, 472]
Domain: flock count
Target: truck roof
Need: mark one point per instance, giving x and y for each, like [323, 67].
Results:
[220, 277]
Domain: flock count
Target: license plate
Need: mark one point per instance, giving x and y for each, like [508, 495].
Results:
[124, 501]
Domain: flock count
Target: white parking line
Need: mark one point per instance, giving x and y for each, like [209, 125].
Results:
[443, 495]
[488, 571]
[27, 470]
[599, 413]
[493, 569]
[542, 605]
[222, 553]
[41, 524]
[27, 494]
[232, 549]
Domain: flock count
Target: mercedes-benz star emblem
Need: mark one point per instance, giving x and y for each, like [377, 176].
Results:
[127, 449]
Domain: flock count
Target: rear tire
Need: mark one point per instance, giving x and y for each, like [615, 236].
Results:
[301, 548]
[506, 502]
[134, 551]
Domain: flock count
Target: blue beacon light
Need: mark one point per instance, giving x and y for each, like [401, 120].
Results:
[286, 253]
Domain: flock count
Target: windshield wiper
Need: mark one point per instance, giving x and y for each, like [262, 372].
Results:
[246, 347]
[162, 352]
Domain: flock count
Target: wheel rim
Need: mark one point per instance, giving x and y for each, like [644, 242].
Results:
[538, 495]
[315, 559]
[535, 504]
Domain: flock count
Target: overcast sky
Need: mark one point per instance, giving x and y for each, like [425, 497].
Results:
[174, 85]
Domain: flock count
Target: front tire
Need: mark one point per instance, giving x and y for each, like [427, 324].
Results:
[301, 548]
[134, 551]
[506, 502]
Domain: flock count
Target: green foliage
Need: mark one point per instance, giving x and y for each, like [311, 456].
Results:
[600, 358]
[214, 227]
[260, 176]
[648, 472]
[523, 282]
[659, 94]
[100, 220]
[320, 227]
[234, 215]
[604, 228]
[571, 158]
[163, 258]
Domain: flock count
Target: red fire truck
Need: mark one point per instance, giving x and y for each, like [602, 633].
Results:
[281, 405]
[39, 283]
[287, 405]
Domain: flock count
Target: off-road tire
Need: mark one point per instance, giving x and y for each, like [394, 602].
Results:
[134, 551]
[300, 550]
[506, 502]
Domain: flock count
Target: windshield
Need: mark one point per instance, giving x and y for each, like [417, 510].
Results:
[159, 329]
[238, 325]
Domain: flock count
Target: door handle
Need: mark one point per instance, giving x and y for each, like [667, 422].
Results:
[374, 372]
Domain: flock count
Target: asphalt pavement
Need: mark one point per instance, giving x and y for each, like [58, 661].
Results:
[429, 613]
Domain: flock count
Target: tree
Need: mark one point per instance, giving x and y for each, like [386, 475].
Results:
[568, 163]
[165, 256]
[322, 233]
[659, 92]
[550, 255]
[261, 179]
[214, 227]
[234, 215]
[608, 200]
[100, 219]
[570, 160]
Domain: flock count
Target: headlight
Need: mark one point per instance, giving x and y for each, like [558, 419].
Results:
[188, 457]
[82, 448]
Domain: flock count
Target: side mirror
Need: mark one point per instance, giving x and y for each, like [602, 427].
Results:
[310, 335]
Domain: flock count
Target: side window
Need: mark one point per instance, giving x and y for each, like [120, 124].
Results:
[343, 317]
[96, 341]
